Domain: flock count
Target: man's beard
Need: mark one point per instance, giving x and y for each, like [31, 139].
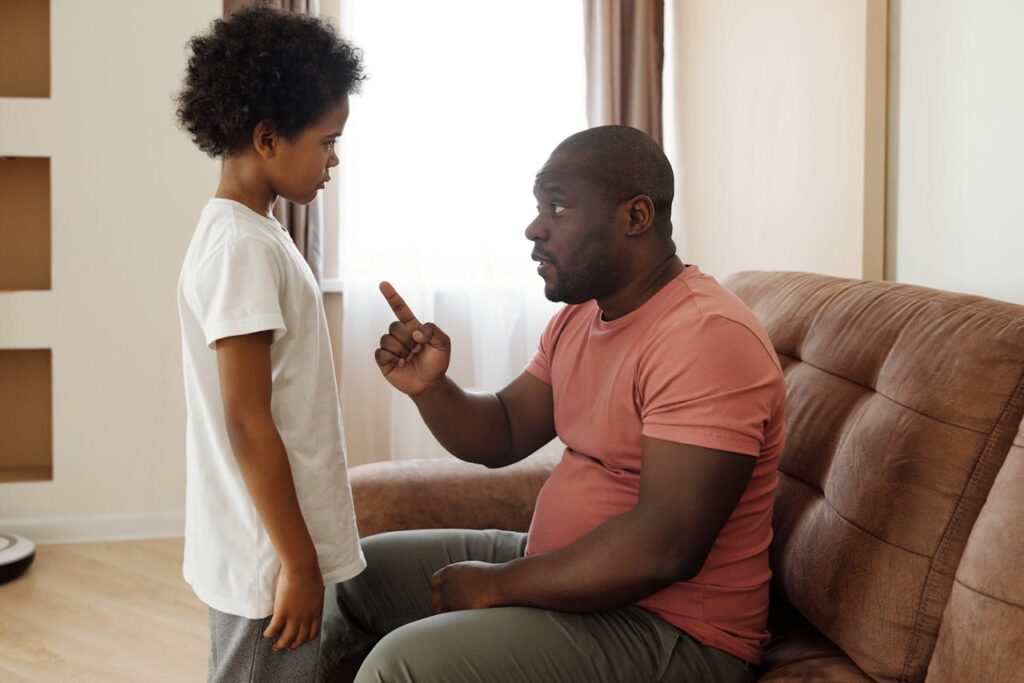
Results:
[591, 277]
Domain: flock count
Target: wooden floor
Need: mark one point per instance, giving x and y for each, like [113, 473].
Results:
[111, 612]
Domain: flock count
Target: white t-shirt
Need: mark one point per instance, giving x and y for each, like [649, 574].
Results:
[243, 274]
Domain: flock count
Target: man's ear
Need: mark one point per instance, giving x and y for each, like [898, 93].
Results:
[641, 215]
[264, 139]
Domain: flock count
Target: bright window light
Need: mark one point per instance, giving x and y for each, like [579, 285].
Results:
[465, 100]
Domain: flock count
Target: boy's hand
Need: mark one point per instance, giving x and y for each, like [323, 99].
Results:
[412, 357]
[298, 608]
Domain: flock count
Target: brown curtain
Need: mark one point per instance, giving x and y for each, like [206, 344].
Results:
[625, 51]
[303, 223]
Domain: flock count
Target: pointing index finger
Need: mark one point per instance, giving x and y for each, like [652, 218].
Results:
[400, 308]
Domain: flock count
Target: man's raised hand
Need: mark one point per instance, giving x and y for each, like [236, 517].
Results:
[412, 356]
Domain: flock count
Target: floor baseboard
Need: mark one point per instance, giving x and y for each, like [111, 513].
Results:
[82, 529]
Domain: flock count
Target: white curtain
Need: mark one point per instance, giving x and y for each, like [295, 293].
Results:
[464, 102]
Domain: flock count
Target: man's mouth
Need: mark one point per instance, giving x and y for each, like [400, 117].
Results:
[544, 263]
[539, 256]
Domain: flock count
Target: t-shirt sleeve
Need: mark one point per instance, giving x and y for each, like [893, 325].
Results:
[716, 387]
[540, 365]
[236, 292]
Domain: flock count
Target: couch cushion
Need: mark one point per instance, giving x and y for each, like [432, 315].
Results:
[447, 494]
[799, 652]
[982, 633]
[902, 404]
[833, 669]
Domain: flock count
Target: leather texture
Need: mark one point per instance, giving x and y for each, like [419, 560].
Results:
[982, 633]
[446, 494]
[903, 404]
[799, 652]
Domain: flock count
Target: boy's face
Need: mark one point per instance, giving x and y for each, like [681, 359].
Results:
[301, 166]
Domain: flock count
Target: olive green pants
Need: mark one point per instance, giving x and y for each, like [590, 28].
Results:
[381, 625]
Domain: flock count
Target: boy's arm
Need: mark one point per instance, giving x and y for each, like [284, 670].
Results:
[245, 380]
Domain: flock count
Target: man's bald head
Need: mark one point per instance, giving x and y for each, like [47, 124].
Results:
[624, 162]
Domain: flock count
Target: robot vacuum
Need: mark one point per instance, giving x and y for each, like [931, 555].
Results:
[16, 554]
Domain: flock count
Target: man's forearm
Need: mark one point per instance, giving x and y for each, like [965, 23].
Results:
[472, 427]
[263, 462]
[614, 566]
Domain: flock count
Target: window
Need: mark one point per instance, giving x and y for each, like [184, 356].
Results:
[465, 101]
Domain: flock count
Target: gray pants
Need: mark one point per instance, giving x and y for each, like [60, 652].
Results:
[384, 616]
[240, 654]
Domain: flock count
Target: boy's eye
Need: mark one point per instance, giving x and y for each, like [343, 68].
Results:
[330, 144]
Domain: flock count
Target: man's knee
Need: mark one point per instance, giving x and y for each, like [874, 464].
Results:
[351, 596]
[410, 654]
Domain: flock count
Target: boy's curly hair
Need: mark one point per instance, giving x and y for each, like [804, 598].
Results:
[261, 64]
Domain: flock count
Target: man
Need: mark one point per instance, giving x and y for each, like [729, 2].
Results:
[647, 556]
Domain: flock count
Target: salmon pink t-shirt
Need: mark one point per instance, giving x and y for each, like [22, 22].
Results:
[691, 365]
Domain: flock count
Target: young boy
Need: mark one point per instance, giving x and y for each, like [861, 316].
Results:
[269, 514]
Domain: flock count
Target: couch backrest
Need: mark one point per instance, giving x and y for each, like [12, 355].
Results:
[982, 632]
[902, 405]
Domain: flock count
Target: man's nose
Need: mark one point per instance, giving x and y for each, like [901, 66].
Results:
[534, 231]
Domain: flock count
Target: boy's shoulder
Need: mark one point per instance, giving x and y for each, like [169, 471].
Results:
[236, 220]
[224, 223]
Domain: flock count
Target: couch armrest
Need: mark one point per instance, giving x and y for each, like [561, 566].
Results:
[446, 494]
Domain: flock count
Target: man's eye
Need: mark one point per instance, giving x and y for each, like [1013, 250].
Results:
[557, 209]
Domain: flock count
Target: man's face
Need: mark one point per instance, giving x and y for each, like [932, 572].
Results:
[301, 165]
[572, 233]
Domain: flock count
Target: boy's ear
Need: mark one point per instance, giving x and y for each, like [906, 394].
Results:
[264, 139]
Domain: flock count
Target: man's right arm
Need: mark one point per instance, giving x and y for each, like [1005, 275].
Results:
[490, 429]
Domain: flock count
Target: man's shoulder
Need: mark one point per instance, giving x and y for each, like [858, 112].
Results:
[704, 314]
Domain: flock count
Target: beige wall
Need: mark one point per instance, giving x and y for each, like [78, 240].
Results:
[779, 142]
[127, 187]
[957, 167]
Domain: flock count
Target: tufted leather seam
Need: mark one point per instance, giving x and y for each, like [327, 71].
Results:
[1005, 317]
[821, 309]
[1004, 422]
[983, 462]
[1011, 603]
[890, 399]
[843, 517]
[887, 290]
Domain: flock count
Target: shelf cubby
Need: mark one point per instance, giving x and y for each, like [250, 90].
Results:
[24, 48]
[26, 415]
[24, 223]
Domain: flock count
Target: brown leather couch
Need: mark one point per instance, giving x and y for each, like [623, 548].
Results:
[899, 524]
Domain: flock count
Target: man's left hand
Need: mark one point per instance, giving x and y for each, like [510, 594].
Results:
[465, 585]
